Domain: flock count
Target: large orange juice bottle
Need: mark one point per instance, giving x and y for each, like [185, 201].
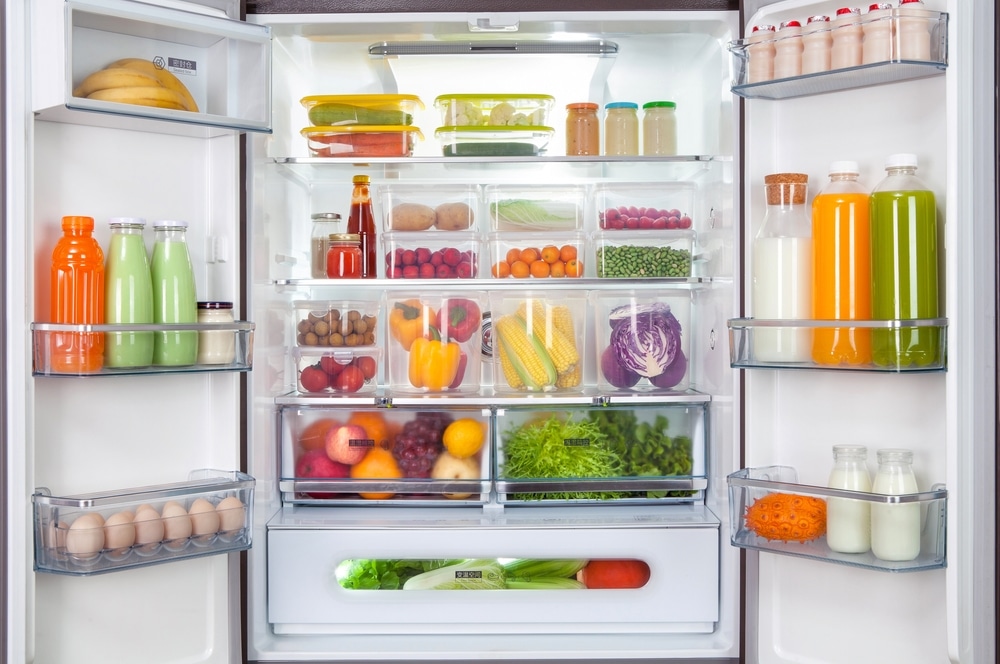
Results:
[841, 267]
[77, 298]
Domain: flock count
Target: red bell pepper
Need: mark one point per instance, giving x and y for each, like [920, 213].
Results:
[459, 319]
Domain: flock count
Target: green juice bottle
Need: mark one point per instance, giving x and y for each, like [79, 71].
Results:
[174, 299]
[904, 239]
[128, 295]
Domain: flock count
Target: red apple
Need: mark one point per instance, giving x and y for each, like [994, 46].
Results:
[316, 464]
[348, 443]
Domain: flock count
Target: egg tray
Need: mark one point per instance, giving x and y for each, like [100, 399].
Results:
[85, 551]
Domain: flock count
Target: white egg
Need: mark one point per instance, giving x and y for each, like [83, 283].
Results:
[232, 514]
[204, 519]
[86, 536]
[148, 526]
[176, 522]
[119, 531]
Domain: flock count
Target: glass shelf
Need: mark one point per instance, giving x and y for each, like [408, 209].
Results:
[45, 337]
[876, 73]
[750, 484]
[787, 344]
[93, 533]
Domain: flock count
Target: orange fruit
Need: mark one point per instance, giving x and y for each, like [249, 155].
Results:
[519, 270]
[787, 517]
[539, 269]
[513, 255]
[501, 270]
[550, 253]
[313, 437]
[529, 255]
[464, 437]
[574, 268]
[567, 253]
[378, 464]
[557, 269]
[374, 425]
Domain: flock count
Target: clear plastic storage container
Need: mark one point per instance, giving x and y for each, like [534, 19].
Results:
[430, 206]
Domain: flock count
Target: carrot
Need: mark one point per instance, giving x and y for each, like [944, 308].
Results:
[365, 145]
[614, 574]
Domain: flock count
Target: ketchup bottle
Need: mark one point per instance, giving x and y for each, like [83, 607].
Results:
[362, 222]
[77, 297]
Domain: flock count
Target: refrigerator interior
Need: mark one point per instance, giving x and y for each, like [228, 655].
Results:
[296, 611]
[793, 417]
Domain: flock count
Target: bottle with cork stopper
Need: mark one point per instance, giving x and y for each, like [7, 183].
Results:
[782, 270]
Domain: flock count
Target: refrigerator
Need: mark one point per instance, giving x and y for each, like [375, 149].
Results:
[248, 174]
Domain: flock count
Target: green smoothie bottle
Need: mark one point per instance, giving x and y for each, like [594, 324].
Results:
[174, 299]
[128, 295]
[904, 238]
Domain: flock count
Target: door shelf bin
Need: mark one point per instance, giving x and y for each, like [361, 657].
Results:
[613, 454]
[378, 456]
[750, 484]
[224, 64]
[45, 336]
[750, 341]
[892, 69]
[210, 513]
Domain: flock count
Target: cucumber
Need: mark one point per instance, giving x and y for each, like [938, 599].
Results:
[328, 115]
[499, 149]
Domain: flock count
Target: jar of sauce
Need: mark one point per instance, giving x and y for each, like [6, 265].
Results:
[344, 258]
[583, 129]
[324, 224]
[621, 128]
[659, 128]
[216, 346]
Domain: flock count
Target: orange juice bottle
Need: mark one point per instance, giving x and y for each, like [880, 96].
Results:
[841, 267]
[77, 298]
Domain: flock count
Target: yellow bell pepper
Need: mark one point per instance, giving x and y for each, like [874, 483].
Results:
[433, 362]
[409, 320]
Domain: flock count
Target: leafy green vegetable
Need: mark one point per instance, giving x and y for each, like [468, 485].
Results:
[536, 214]
[475, 574]
[554, 449]
[381, 574]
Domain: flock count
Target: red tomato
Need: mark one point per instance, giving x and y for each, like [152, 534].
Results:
[314, 379]
[367, 365]
[614, 574]
[349, 380]
[330, 365]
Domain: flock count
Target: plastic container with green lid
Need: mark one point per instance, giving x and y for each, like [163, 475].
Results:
[495, 110]
[489, 141]
[373, 109]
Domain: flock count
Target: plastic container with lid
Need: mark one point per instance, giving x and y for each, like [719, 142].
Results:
[878, 34]
[847, 36]
[760, 53]
[344, 258]
[216, 346]
[371, 109]
[788, 50]
[659, 128]
[362, 140]
[324, 225]
[494, 110]
[621, 128]
[816, 42]
[583, 129]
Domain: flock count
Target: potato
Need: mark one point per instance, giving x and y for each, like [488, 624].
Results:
[411, 217]
[454, 216]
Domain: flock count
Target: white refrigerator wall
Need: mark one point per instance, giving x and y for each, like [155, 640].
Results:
[795, 417]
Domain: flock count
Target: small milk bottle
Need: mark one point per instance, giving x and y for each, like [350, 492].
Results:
[847, 35]
[760, 54]
[128, 295]
[788, 50]
[816, 41]
[914, 31]
[895, 526]
[782, 270]
[848, 522]
[174, 299]
[878, 34]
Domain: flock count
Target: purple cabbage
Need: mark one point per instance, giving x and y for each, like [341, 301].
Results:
[646, 338]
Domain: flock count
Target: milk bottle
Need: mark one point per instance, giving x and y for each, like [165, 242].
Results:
[895, 526]
[848, 522]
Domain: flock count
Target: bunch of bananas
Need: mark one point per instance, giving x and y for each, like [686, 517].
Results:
[137, 81]
[537, 347]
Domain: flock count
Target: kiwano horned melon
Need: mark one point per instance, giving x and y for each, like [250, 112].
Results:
[787, 517]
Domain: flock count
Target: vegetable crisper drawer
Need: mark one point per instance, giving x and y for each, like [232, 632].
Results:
[339, 571]
[611, 454]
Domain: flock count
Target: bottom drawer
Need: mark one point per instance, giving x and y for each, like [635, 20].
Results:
[473, 593]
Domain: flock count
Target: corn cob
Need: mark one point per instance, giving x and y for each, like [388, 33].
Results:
[562, 319]
[560, 346]
[509, 373]
[527, 355]
[571, 378]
